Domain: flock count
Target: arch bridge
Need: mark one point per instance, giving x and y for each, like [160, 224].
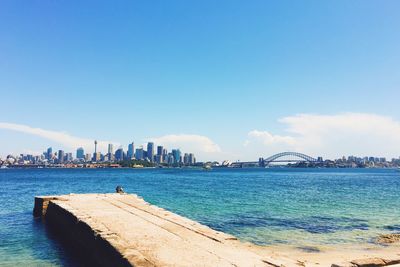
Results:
[280, 157]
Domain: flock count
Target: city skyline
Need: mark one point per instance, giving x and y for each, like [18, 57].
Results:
[226, 80]
[160, 156]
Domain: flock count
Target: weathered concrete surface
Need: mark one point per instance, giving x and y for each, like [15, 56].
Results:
[124, 230]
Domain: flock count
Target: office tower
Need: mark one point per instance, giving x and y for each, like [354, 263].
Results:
[119, 154]
[97, 157]
[49, 153]
[110, 152]
[177, 155]
[110, 149]
[60, 156]
[131, 151]
[87, 157]
[160, 150]
[68, 157]
[139, 154]
[186, 159]
[170, 159]
[160, 158]
[150, 151]
[192, 159]
[80, 153]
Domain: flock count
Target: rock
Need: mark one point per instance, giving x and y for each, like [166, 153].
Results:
[388, 238]
[343, 264]
[392, 261]
[370, 262]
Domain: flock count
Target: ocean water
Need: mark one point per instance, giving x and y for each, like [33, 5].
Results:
[299, 207]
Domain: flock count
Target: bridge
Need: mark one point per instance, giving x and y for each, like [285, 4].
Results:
[288, 157]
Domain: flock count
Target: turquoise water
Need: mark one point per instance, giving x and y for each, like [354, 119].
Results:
[300, 207]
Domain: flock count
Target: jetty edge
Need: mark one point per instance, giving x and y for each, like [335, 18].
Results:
[124, 230]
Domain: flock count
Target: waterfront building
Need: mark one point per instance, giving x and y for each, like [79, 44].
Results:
[97, 157]
[150, 151]
[158, 159]
[60, 156]
[88, 157]
[68, 157]
[131, 151]
[139, 153]
[192, 159]
[177, 155]
[160, 151]
[49, 153]
[170, 159]
[186, 159]
[119, 154]
[110, 152]
[80, 153]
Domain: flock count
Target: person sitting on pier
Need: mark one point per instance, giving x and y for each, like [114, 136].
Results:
[119, 189]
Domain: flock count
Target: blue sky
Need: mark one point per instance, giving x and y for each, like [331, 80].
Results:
[218, 70]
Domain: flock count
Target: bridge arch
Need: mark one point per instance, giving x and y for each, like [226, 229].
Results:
[301, 156]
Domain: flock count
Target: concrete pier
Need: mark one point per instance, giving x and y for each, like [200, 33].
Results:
[124, 230]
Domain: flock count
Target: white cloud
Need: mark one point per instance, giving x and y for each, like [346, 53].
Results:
[202, 146]
[332, 135]
[64, 139]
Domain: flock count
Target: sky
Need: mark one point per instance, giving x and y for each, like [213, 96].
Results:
[234, 80]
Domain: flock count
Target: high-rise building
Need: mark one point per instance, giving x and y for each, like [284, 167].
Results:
[88, 157]
[110, 152]
[186, 159]
[68, 157]
[80, 153]
[139, 153]
[170, 159]
[131, 151]
[160, 150]
[96, 157]
[160, 156]
[49, 153]
[150, 151]
[177, 155]
[119, 154]
[110, 149]
[192, 159]
[61, 156]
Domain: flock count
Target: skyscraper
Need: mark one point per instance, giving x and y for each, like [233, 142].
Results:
[131, 150]
[95, 157]
[192, 159]
[150, 151]
[110, 149]
[160, 150]
[61, 156]
[139, 154]
[159, 157]
[119, 154]
[186, 159]
[110, 152]
[80, 153]
[49, 153]
[177, 155]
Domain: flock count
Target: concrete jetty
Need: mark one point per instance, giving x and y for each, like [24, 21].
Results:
[124, 230]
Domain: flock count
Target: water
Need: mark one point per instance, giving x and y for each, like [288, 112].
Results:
[300, 207]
